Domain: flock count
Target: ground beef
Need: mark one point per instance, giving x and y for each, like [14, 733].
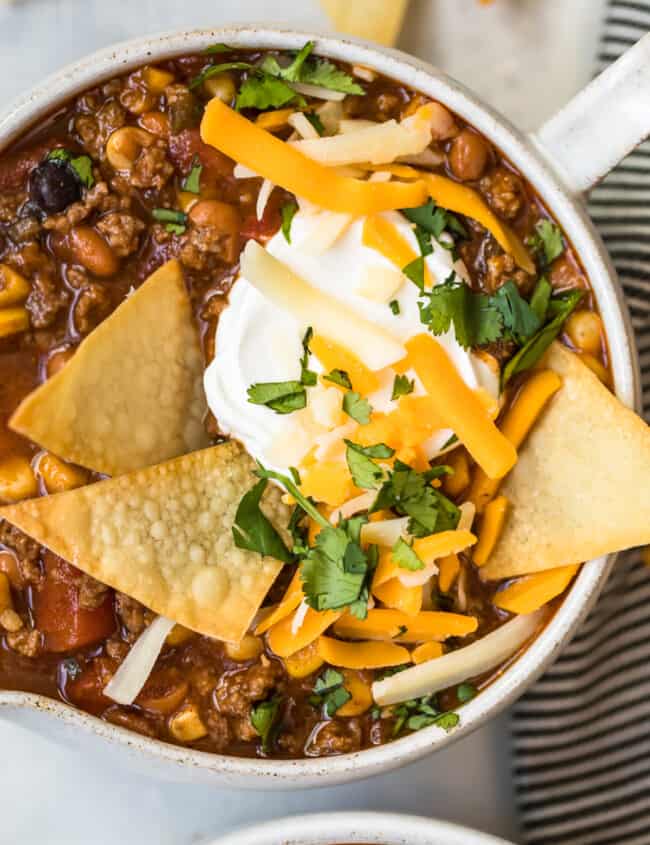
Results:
[117, 649]
[183, 108]
[92, 593]
[99, 198]
[132, 615]
[26, 642]
[203, 248]
[336, 737]
[235, 692]
[218, 728]
[95, 130]
[243, 729]
[121, 231]
[504, 191]
[152, 169]
[130, 720]
[24, 229]
[77, 277]
[46, 298]
[10, 620]
[10, 202]
[27, 552]
[91, 307]
[501, 269]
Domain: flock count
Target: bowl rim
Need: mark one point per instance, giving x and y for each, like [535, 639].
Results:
[367, 827]
[21, 115]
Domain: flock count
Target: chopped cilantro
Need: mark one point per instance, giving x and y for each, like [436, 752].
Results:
[450, 442]
[264, 719]
[410, 493]
[339, 377]
[330, 692]
[288, 212]
[546, 243]
[283, 397]
[414, 271]
[519, 320]
[355, 406]
[316, 122]
[421, 713]
[192, 182]
[213, 70]
[540, 298]
[307, 377]
[261, 91]
[217, 48]
[306, 69]
[253, 531]
[402, 386]
[81, 165]
[394, 306]
[365, 472]
[175, 221]
[435, 220]
[404, 556]
[465, 692]
[559, 308]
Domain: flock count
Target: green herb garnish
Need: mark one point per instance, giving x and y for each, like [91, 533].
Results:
[261, 91]
[402, 386]
[307, 377]
[394, 306]
[217, 48]
[365, 472]
[306, 69]
[81, 165]
[283, 397]
[252, 530]
[540, 299]
[316, 122]
[192, 182]
[339, 377]
[466, 692]
[403, 554]
[330, 692]
[264, 718]
[175, 221]
[421, 713]
[213, 70]
[288, 212]
[547, 242]
[357, 407]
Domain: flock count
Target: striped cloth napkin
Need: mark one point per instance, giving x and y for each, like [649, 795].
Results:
[582, 735]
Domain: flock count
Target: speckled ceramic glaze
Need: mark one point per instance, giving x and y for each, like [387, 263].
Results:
[350, 828]
[560, 161]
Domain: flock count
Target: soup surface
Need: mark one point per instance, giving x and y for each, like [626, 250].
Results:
[92, 201]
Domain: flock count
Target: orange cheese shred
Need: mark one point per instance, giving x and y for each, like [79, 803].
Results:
[516, 425]
[329, 482]
[382, 236]
[398, 596]
[448, 569]
[333, 356]
[284, 642]
[371, 655]
[494, 517]
[427, 549]
[460, 407]
[531, 592]
[384, 624]
[289, 603]
[427, 651]
[274, 159]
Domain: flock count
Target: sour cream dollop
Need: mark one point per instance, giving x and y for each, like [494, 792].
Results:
[256, 341]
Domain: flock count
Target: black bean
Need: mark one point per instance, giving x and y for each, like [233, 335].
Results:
[53, 186]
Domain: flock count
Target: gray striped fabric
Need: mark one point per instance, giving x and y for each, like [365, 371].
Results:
[581, 736]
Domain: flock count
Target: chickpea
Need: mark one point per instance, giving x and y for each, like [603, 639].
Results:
[9, 567]
[124, 146]
[247, 649]
[186, 724]
[218, 215]
[155, 122]
[58, 475]
[57, 361]
[443, 125]
[5, 593]
[156, 79]
[17, 479]
[14, 288]
[468, 156]
[585, 329]
[221, 85]
[91, 251]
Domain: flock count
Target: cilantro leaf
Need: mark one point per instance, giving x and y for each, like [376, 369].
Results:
[307, 377]
[306, 69]
[365, 472]
[540, 298]
[253, 531]
[519, 319]
[264, 719]
[403, 554]
[175, 221]
[402, 386]
[192, 182]
[288, 212]
[316, 122]
[414, 271]
[339, 377]
[329, 690]
[283, 397]
[261, 91]
[213, 70]
[465, 692]
[331, 575]
[394, 306]
[217, 48]
[435, 220]
[81, 165]
[291, 487]
[475, 318]
[532, 351]
[355, 406]
[547, 242]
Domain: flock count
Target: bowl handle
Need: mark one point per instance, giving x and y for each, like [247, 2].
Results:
[602, 123]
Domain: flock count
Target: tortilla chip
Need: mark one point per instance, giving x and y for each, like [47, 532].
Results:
[132, 395]
[581, 487]
[164, 536]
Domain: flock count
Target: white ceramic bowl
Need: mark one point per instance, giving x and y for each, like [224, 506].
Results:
[351, 828]
[565, 157]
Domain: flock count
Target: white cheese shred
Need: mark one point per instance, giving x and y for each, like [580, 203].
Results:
[317, 91]
[457, 666]
[263, 197]
[299, 617]
[132, 675]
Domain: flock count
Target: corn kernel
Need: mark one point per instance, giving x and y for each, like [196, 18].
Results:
[59, 476]
[14, 288]
[186, 725]
[13, 320]
[17, 480]
[178, 635]
[248, 648]
[271, 120]
[156, 79]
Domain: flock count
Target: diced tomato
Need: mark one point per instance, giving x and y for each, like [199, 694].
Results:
[187, 144]
[64, 623]
[262, 230]
[15, 168]
[87, 689]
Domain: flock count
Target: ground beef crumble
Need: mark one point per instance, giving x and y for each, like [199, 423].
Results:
[92, 306]
[504, 191]
[121, 231]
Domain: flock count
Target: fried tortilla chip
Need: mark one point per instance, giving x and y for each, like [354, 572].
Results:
[163, 535]
[132, 395]
[581, 487]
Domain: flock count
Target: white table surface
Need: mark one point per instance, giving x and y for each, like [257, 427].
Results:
[527, 57]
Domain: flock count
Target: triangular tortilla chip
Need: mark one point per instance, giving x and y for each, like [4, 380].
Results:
[132, 394]
[164, 536]
[581, 487]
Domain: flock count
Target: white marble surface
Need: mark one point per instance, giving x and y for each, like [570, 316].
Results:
[526, 57]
